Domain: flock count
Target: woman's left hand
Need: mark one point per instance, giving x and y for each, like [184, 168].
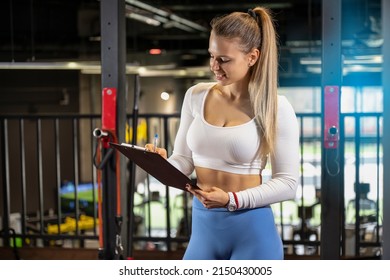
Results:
[213, 197]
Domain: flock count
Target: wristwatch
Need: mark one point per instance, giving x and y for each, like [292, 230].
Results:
[231, 206]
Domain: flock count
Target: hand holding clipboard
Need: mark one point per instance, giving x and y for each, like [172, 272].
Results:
[155, 165]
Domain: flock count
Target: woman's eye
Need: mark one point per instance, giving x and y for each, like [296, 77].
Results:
[220, 59]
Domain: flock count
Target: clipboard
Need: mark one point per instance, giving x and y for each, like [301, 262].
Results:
[155, 165]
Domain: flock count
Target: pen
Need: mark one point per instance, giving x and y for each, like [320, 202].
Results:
[155, 142]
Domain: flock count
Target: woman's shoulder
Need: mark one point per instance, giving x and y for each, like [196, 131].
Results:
[284, 103]
[282, 99]
[285, 108]
[198, 89]
[201, 88]
[195, 95]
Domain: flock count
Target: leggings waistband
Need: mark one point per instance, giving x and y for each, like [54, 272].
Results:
[199, 205]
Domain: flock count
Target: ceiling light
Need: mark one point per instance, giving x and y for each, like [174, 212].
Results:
[155, 51]
[147, 7]
[142, 18]
[164, 95]
[310, 61]
[161, 16]
[188, 23]
[178, 25]
[354, 59]
[72, 65]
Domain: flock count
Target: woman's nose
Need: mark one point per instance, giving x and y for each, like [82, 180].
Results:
[214, 65]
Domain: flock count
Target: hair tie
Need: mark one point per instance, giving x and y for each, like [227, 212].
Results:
[252, 14]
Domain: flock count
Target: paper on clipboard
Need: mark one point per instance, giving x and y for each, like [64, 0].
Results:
[155, 165]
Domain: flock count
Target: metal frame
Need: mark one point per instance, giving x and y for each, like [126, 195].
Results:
[386, 123]
[113, 58]
[332, 184]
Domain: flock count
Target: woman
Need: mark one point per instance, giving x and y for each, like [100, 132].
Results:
[228, 129]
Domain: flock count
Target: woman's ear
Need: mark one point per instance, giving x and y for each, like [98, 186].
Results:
[253, 56]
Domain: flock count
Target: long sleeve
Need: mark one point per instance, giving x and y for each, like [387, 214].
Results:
[284, 163]
[181, 156]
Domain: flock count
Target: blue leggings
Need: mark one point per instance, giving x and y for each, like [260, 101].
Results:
[218, 234]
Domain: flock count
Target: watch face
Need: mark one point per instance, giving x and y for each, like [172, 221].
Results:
[232, 207]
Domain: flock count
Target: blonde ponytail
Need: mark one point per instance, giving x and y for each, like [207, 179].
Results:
[263, 83]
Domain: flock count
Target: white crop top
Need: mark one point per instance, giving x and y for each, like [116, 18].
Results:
[231, 149]
[234, 149]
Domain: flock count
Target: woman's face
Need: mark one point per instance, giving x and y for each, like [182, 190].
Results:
[228, 63]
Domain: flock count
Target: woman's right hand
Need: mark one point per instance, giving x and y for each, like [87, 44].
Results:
[211, 197]
[161, 151]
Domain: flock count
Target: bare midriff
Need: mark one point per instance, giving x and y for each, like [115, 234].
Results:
[228, 182]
